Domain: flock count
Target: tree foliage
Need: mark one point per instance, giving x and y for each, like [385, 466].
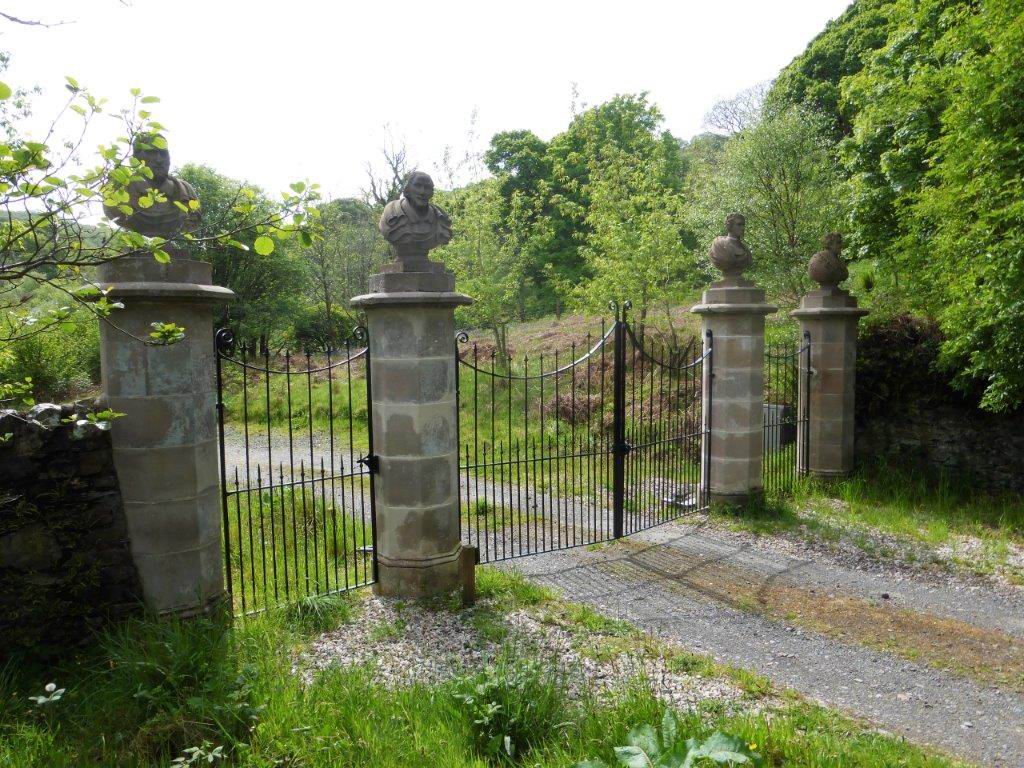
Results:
[636, 249]
[488, 262]
[267, 284]
[781, 172]
[928, 96]
[546, 188]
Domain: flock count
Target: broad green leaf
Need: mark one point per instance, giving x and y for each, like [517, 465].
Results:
[632, 757]
[669, 728]
[5, 91]
[645, 738]
[150, 99]
[162, 256]
[263, 245]
[724, 749]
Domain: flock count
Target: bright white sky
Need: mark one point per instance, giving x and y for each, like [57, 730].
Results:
[271, 92]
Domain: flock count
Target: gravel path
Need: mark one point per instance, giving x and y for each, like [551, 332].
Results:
[404, 643]
[655, 580]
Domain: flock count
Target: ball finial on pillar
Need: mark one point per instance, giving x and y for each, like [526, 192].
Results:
[828, 315]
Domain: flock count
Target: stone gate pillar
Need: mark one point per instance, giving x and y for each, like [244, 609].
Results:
[733, 311]
[413, 367]
[830, 315]
[410, 317]
[165, 446]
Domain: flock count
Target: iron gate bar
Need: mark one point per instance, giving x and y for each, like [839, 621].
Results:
[787, 415]
[319, 517]
[539, 486]
[651, 437]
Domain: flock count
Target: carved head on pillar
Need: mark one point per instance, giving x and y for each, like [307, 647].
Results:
[153, 217]
[413, 225]
[827, 267]
[728, 252]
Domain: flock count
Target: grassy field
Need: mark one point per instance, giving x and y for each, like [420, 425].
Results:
[147, 693]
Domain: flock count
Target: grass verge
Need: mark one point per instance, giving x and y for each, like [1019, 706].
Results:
[150, 692]
[889, 509]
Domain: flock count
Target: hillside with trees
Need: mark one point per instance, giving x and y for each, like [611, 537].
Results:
[925, 100]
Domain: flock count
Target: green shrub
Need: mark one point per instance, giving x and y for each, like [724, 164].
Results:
[514, 705]
[62, 362]
[165, 686]
[897, 366]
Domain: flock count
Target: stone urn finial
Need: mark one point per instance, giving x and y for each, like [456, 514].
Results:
[827, 267]
[728, 252]
[413, 225]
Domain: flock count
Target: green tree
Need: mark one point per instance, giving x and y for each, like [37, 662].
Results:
[972, 205]
[487, 263]
[636, 249]
[268, 284]
[346, 252]
[545, 188]
[783, 175]
[813, 79]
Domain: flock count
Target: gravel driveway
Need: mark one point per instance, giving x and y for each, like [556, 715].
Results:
[674, 581]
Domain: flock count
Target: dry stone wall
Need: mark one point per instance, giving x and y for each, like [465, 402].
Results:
[984, 448]
[65, 564]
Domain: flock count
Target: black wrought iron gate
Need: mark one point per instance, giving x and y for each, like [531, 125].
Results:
[569, 448]
[787, 371]
[296, 492]
[562, 451]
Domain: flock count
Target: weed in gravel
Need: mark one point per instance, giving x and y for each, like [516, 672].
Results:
[387, 631]
[320, 613]
[685, 662]
[514, 705]
[583, 618]
[508, 590]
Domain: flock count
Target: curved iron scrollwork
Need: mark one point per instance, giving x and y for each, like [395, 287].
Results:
[461, 337]
[620, 310]
[360, 334]
[224, 340]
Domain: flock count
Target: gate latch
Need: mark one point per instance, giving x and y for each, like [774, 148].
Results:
[622, 448]
[371, 462]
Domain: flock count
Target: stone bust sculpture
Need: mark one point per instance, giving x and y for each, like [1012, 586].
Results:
[164, 218]
[827, 267]
[728, 252]
[413, 225]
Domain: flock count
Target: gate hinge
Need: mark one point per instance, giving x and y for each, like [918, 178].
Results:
[622, 448]
[371, 462]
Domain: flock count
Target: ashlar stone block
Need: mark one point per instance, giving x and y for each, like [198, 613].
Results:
[165, 446]
[414, 368]
[733, 317]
